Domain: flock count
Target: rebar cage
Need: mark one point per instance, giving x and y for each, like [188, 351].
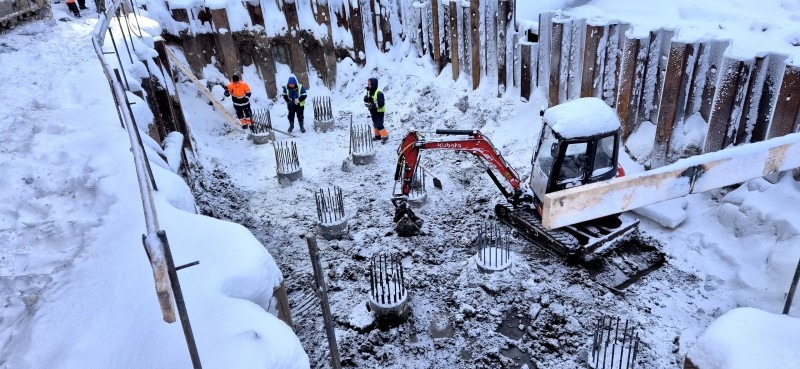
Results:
[330, 205]
[361, 139]
[612, 347]
[286, 157]
[262, 122]
[493, 246]
[387, 285]
[417, 185]
[323, 111]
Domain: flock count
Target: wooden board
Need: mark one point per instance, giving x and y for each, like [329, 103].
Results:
[228, 118]
[691, 175]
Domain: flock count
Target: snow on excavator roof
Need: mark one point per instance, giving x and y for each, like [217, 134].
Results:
[581, 118]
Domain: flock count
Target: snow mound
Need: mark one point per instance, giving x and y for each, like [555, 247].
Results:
[747, 338]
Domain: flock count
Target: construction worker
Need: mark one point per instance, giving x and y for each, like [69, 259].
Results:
[241, 100]
[295, 96]
[74, 7]
[376, 104]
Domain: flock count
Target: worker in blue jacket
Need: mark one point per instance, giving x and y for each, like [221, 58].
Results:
[295, 96]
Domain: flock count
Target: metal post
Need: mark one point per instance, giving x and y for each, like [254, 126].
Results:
[322, 290]
[179, 302]
[138, 136]
[792, 289]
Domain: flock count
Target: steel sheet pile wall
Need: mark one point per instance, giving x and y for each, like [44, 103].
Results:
[647, 78]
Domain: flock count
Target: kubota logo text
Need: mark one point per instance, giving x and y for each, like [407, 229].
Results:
[448, 145]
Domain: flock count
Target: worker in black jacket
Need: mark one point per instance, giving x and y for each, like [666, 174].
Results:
[376, 104]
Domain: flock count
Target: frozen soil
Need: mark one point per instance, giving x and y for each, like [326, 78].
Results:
[540, 313]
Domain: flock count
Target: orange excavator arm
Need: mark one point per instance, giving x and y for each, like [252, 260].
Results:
[475, 143]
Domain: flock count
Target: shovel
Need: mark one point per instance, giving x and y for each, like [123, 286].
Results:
[436, 182]
[348, 162]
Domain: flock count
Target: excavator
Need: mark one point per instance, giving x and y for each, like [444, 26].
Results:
[572, 150]
[577, 151]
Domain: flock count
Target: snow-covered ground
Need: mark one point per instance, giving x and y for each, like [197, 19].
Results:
[78, 293]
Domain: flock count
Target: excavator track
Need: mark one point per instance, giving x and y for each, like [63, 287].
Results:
[620, 262]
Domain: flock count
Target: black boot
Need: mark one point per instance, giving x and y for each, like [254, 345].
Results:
[302, 129]
[82, 4]
[74, 9]
[291, 127]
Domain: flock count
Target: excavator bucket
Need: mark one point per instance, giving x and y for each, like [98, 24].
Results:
[407, 224]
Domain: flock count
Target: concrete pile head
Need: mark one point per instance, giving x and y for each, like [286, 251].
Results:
[388, 298]
[288, 163]
[261, 130]
[361, 144]
[323, 114]
[330, 213]
[494, 252]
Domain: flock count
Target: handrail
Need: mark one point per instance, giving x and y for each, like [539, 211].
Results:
[155, 240]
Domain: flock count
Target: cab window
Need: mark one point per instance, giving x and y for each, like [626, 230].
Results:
[604, 156]
[545, 158]
[574, 162]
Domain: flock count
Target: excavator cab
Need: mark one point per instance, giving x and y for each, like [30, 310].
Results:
[573, 150]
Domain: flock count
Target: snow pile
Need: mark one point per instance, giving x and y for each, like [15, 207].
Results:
[747, 338]
[76, 280]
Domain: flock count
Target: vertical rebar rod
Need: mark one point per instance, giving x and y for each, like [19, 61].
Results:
[622, 351]
[608, 339]
[790, 296]
[180, 302]
[119, 60]
[614, 342]
[130, 56]
[635, 351]
[322, 289]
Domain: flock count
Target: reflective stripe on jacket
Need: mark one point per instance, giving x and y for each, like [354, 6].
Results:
[297, 93]
[376, 99]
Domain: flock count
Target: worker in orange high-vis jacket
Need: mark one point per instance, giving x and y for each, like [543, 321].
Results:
[240, 92]
[73, 7]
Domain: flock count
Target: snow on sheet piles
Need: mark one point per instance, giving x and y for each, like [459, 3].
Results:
[581, 118]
